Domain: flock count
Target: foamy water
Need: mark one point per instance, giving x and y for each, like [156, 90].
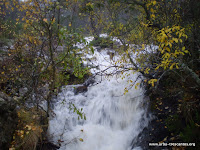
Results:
[113, 120]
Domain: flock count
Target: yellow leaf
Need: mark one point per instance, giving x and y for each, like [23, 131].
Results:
[22, 132]
[177, 66]
[34, 128]
[45, 20]
[136, 87]
[176, 40]
[146, 71]
[153, 16]
[186, 51]
[157, 68]
[143, 46]
[81, 139]
[28, 126]
[53, 20]
[167, 48]
[170, 44]
[152, 81]
[171, 67]
[137, 84]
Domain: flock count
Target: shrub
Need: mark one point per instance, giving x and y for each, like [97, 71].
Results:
[102, 42]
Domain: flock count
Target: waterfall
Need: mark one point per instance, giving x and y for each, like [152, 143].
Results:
[113, 119]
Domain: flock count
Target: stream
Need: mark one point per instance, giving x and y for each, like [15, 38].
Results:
[114, 118]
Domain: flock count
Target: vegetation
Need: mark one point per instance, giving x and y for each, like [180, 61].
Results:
[40, 55]
[102, 42]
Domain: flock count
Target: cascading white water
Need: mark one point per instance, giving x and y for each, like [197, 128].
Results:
[113, 120]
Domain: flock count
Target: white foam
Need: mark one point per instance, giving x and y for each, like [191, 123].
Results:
[113, 119]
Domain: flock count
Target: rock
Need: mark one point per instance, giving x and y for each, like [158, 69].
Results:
[8, 120]
[46, 145]
[16, 98]
[2, 100]
[12, 47]
[5, 48]
[81, 89]
[89, 81]
[60, 49]
[98, 48]
[5, 97]
[118, 43]
[166, 107]
[22, 91]
[111, 54]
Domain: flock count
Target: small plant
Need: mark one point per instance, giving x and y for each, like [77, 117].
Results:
[174, 123]
[102, 42]
[29, 129]
[79, 112]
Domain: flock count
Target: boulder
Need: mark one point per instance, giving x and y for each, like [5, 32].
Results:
[46, 145]
[89, 81]
[8, 120]
[81, 89]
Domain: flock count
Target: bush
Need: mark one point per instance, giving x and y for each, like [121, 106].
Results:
[102, 42]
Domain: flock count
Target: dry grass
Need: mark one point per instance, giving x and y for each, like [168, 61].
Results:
[29, 130]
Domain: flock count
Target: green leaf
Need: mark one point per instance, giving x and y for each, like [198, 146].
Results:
[92, 49]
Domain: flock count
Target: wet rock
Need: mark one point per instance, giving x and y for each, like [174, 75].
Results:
[161, 106]
[81, 89]
[98, 48]
[46, 145]
[89, 81]
[111, 54]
